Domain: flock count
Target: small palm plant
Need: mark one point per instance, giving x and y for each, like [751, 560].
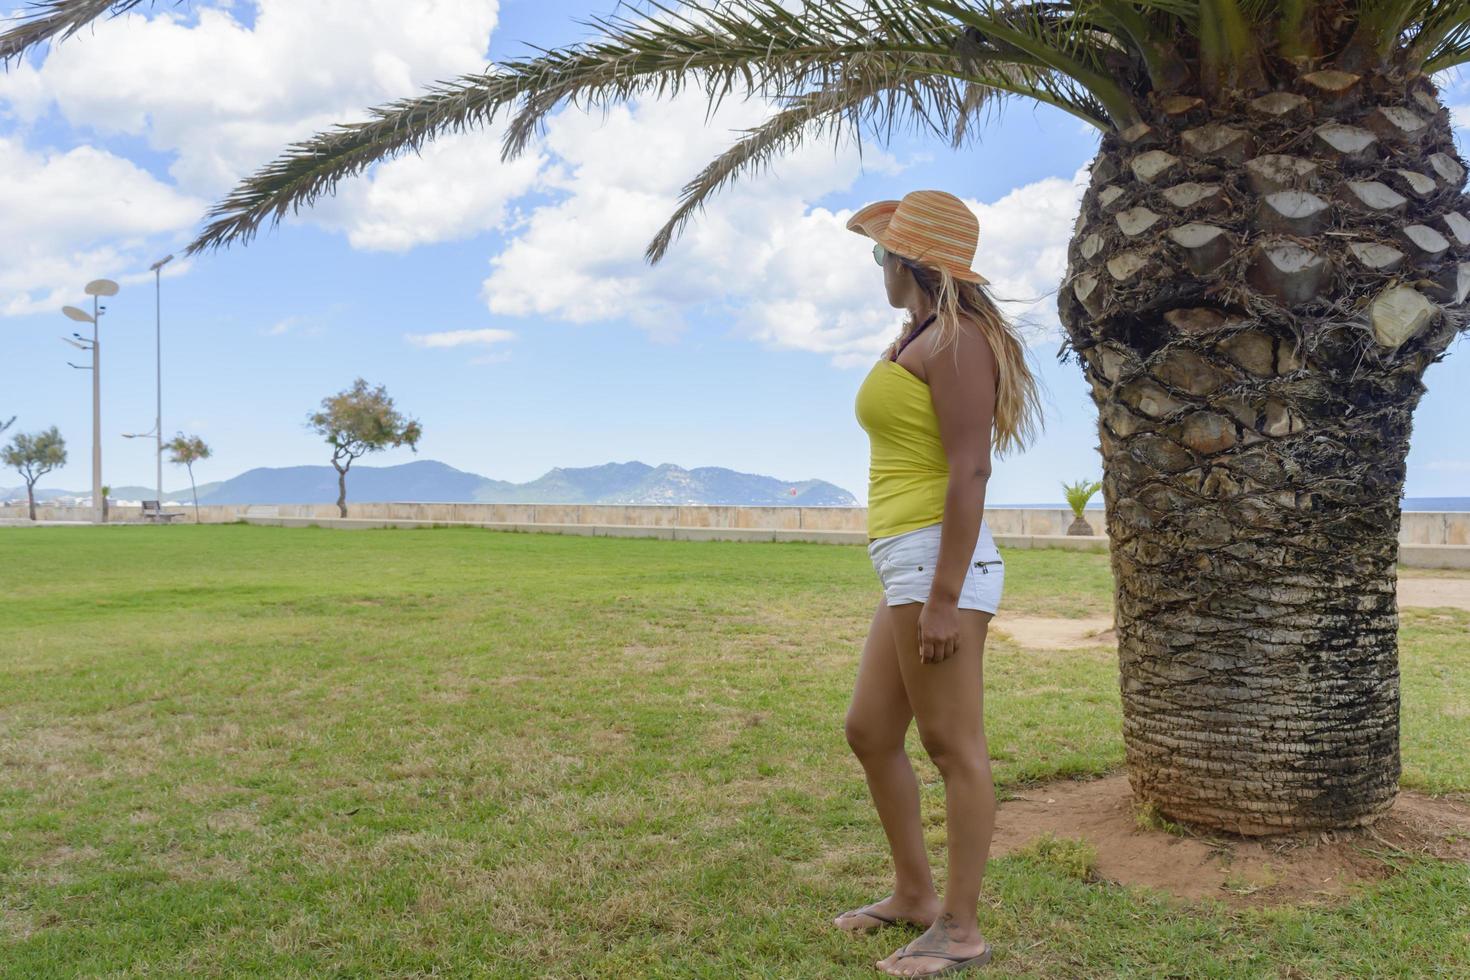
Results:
[1273, 249]
[1078, 494]
[188, 450]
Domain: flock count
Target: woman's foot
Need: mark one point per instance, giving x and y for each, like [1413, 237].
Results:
[893, 910]
[944, 936]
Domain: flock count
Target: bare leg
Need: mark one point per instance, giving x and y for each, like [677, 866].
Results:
[877, 722]
[947, 699]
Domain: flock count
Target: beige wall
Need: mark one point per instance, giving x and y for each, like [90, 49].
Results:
[1430, 528]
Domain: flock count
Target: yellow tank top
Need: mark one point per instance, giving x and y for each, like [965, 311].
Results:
[908, 473]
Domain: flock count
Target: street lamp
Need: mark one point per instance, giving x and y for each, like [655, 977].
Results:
[144, 435]
[158, 363]
[96, 288]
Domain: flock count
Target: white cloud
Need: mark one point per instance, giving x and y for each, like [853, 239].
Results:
[1023, 249]
[458, 338]
[455, 188]
[756, 254]
[783, 272]
[226, 98]
[759, 256]
[69, 217]
[222, 99]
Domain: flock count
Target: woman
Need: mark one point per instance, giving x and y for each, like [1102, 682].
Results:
[954, 384]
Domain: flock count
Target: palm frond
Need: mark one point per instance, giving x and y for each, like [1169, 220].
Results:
[1414, 33]
[1380, 22]
[756, 45]
[1059, 36]
[758, 42]
[1295, 35]
[807, 114]
[926, 91]
[1443, 38]
[1229, 48]
[835, 62]
[49, 19]
[1453, 52]
[1156, 45]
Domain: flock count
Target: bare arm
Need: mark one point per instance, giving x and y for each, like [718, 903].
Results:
[962, 386]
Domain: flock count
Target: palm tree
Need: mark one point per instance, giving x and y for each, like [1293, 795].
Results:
[188, 450]
[1078, 494]
[1269, 256]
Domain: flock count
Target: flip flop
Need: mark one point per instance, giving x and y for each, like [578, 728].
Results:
[872, 915]
[961, 962]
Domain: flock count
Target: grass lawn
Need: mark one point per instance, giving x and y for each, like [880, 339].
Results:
[236, 750]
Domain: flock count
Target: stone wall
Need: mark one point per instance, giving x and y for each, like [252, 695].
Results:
[1424, 528]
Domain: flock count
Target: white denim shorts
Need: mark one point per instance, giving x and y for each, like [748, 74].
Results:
[905, 565]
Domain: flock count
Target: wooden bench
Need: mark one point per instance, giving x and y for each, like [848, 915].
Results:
[153, 511]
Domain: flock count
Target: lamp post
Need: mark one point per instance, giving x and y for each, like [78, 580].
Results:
[95, 289]
[158, 362]
[157, 430]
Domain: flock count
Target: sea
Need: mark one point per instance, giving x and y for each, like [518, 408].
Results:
[1408, 503]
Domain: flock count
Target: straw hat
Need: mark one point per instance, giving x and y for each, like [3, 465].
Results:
[933, 227]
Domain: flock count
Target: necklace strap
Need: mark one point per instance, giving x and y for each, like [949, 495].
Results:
[918, 330]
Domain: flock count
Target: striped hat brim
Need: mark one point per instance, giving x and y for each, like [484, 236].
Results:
[872, 220]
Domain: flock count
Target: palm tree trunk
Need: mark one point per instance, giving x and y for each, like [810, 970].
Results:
[1254, 299]
[195, 491]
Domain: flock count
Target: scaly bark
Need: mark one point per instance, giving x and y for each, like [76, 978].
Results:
[1255, 291]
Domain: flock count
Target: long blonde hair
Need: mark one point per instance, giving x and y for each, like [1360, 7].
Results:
[1018, 414]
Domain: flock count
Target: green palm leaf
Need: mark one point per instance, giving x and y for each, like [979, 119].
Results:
[872, 46]
[836, 62]
[59, 19]
[925, 91]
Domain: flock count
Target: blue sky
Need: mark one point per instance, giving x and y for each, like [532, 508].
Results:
[505, 305]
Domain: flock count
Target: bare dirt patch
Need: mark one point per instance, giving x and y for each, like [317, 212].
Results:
[1434, 592]
[1054, 633]
[1059, 633]
[1301, 868]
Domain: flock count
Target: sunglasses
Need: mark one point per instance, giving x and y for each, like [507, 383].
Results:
[880, 254]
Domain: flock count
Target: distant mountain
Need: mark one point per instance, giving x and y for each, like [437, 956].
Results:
[117, 493]
[422, 481]
[639, 483]
[427, 481]
[19, 493]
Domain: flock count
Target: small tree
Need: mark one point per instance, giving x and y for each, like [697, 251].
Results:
[360, 421]
[34, 456]
[187, 450]
[1078, 494]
